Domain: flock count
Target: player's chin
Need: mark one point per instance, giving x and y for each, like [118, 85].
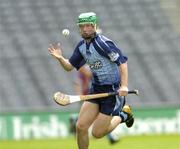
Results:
[86, 36]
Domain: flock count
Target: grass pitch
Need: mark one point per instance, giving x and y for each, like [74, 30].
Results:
[129, 142]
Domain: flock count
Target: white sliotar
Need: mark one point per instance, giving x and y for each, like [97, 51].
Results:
[65, 32]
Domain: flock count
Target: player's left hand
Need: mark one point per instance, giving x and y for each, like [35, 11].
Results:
[123, 91]
[55, 50]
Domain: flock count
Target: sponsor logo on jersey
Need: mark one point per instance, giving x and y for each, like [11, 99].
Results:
[96, 65]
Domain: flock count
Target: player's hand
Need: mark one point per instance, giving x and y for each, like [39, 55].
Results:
[55, 50]
[123, 91]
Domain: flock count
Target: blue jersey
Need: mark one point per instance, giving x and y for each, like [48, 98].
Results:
[103, 58]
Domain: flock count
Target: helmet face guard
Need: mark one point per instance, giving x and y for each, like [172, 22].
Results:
[87, 18]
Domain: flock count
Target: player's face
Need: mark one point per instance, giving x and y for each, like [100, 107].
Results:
[87, 30]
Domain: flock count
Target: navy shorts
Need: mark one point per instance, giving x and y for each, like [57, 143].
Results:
[108, 105]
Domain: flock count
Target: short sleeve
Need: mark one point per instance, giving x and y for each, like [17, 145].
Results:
[77, 59]
[109, 47]
[116, 54]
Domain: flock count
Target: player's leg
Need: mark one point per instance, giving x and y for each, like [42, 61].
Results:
[87, 115]
[130, 118]
[112, 113]
[114, 136]
[104, 124]
[125, 116]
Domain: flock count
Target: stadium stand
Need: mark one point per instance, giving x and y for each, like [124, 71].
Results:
[29, 76]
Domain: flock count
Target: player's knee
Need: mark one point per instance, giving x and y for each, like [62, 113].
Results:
[97, 133]
[81, 126]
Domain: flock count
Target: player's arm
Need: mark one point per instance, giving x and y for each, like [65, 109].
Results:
[123, 68]
[65, 63]
[56, 52]
[116, 56]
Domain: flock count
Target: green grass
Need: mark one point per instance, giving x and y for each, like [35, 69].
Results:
[131, 142]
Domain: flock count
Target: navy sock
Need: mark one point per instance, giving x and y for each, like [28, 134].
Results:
[123, 116]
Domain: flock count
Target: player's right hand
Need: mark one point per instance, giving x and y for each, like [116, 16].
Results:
[55, 50]
[123, 91]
